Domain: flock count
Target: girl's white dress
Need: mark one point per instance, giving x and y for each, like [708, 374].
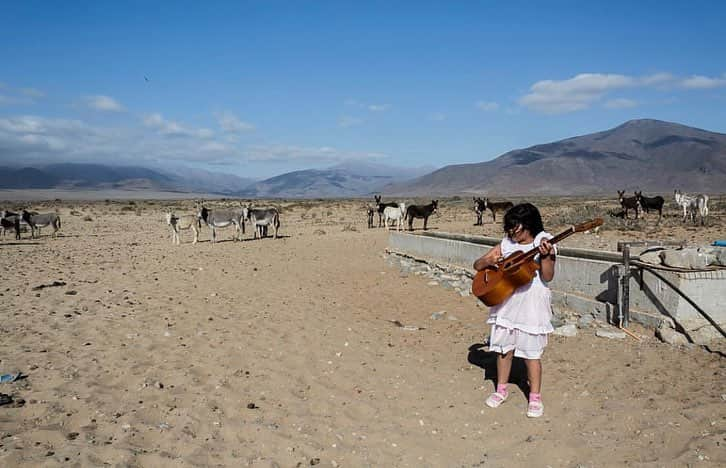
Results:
[522, 322]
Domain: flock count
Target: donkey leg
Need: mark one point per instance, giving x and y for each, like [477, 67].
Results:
[426, 220]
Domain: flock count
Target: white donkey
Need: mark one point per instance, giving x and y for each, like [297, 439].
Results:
[692, 205]
[182, 222]
[394, 213]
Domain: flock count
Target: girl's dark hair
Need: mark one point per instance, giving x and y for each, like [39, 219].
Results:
[525, 214]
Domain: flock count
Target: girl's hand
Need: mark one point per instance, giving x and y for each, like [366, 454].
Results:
[545, 248]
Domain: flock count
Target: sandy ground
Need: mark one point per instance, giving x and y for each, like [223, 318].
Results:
[281, 353]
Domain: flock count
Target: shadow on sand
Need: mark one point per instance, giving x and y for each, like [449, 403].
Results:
[487, 361]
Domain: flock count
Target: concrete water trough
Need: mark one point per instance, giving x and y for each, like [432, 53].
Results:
[592, 282]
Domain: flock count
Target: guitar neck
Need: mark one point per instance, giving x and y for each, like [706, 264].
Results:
[530, 254]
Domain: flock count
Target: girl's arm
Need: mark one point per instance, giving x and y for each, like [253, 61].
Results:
[488, 259]
[547, 260]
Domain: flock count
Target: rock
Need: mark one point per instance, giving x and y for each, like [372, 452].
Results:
[438, 315]
[557, 321]
[692, 259]
[452, 317]
[319, 232]
[666, 333]
[611, 334]
[654, 258]
[566, 330]
[585, 321]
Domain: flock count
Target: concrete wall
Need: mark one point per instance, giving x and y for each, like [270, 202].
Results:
[586, 282]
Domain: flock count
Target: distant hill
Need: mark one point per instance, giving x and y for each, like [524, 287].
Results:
[99, 176]
[649, 155]
[343, 180]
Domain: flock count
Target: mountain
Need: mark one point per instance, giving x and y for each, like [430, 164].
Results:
[351, 179]
[649, 155]
[98, 177]
[199, 180]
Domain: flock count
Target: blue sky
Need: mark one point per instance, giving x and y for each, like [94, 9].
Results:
[264, 87]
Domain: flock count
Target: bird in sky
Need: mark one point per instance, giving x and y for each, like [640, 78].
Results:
[145, 78]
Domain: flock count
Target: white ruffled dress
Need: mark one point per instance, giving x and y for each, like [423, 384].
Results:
[523, 321]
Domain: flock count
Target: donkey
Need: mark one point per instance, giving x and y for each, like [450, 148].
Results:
[223, 218]
[11, 223]
[628, 203]
[692, 205]
[382, 206]
[650, 203]
[370, 212]
[394, 214]
[421, 211]
[11, 217]
[37, 221]
[261, 219]
[183, 222]
[496, 206]
[479, 208]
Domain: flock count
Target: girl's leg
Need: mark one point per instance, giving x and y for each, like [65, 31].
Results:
[535, 409]
[534, 374]
[504, 367]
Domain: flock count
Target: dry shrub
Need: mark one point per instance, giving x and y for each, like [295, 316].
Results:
[87, 218]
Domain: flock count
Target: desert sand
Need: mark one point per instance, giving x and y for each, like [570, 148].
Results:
[282, 352]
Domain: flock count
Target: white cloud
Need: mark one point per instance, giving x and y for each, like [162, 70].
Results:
[581, 91]
[367, 106]
[620, 103]
[703, 82]
[487, 106]
[32, 92]
[19, 96]
[171, 128]
[103, 103]
[378, 107]
[348, 121]
[289, 153]
[657, 79]
[577, 93]
[232, 124]
[39, 139]
[35, 140]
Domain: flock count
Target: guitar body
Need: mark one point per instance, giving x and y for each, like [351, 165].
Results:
[493, 287]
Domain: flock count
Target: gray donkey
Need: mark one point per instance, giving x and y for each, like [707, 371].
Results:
[261, 219]
[37, 221]
[221, 218]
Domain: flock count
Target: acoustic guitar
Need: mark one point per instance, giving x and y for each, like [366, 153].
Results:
[496, 283]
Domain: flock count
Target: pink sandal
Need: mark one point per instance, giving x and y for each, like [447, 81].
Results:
[535, 409]
[496, 399]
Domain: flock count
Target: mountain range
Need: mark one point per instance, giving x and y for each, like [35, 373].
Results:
[648, 155]
[98, 177]
[351, 179]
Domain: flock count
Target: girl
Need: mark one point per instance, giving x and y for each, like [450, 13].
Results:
[521, 323]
